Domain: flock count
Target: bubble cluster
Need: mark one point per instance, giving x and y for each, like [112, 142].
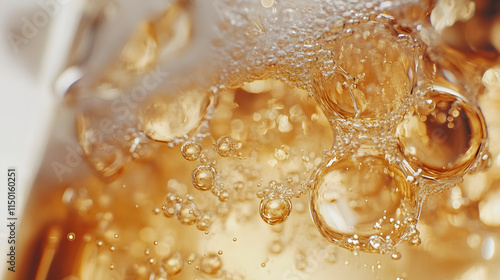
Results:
[186, 211]
[340, 102]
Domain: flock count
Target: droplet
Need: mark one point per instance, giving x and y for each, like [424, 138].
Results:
[444, 140]
[191, 150]
[173, 264]
[204, 177]
[275, 210]
[353, 194]
[210, 264]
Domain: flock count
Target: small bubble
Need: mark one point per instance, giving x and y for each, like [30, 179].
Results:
[235, 239]
[275, 210]
[276, 247]
[396, 255]
[416, 241]
[112, 248]
[188, 213]
[210, 264]
[220, 252]
[155, 242]
[191, 258]
[71, 236]
[203, 177]
[224, 196]
[173, 264]
[203, 224]
[116, 235]
[99, 243]
[112, 266]
[224, 146]
[87, 237]
[191, 151]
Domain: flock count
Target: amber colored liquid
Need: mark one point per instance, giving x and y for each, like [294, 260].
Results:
[374, 157]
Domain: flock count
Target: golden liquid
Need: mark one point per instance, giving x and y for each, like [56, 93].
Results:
[361, 132]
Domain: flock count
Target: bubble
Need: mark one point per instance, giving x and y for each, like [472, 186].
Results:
[210, 264]
[204, 177]
[280, 154]
[276, 247]
[188, 213]
[415, 241]
[362, 203]
[275, 210]
[396, 255]
[173, 264]
[224, 196]
[225, 145]
[372, 76]
[169, 209]
[203, 224]
[191, 150]
[267, 3]
[443, 139]
[167, 117]
[191, 258]
[102, 150]
[71, 236]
